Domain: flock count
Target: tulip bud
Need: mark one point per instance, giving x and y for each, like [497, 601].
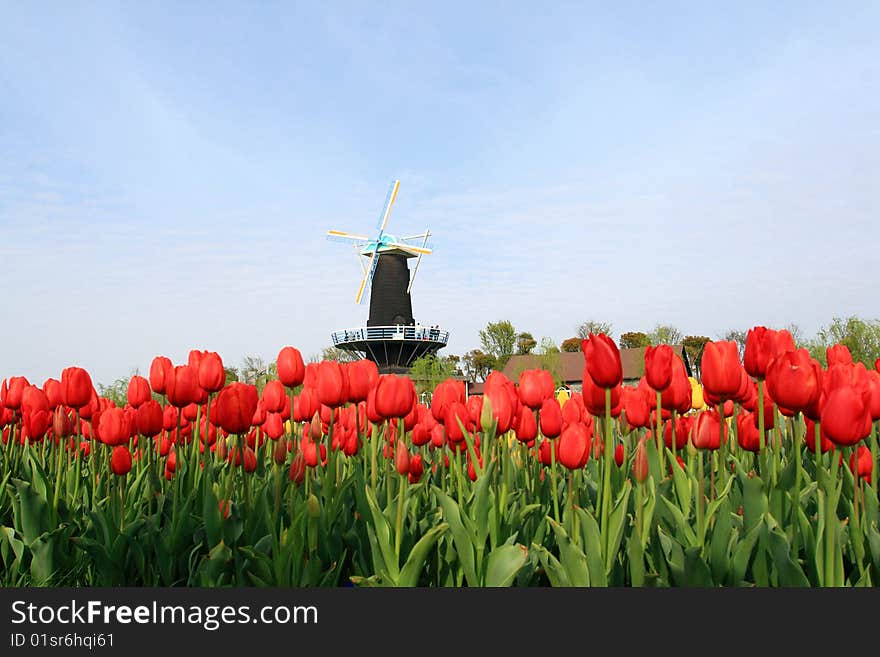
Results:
[401, 458]
[297, 469]
[486, 417]
[314, 507]
[640, 462]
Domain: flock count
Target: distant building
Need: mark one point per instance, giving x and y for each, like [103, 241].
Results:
[568, 366]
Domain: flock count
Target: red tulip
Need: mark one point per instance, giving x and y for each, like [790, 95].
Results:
[456, 417]
[235, 407]
[395, 396]
[445, 394]
[149, 418]
[846, 415]
[61, 424]
[534, 387]
[182, 385]
[762, 346]
[212, 376]
[77, 387]
[416, 469]
[113, 426]
[138, 391]
[290, 367]
[332, 384]
[658, 366]
[54, 393]
[705, 433]
[36, 422]
[680, 434]
[401, 458]
[619, 455]
[551, 418]
[297, 471]
[602, 360]
[273, 396]
[11, 391]
[721, 369]
[502, 406]
[638, 413]
[794, 380]
[250, 459]
[838, 354]
[594, 397]
[747, 432]
[273, 426]
[362, 376]
[120, 461]
[573, 446]
[865, 463]
[874, 387]
[825, 444]
[640, 462]
[160, 370]
[525, 426]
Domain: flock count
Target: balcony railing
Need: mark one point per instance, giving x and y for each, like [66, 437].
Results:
[399, 332]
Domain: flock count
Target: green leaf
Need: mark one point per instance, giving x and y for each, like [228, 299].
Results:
[461, 538]
[415, 563]
[790, 574]
[504, 563]
[211, 517]
[573, 559]
[636, 557]
[696, 572]
[34, 518]
[383, 537]
[684, 531]
[616, 525]
[592, 547]
[719, 545]
[682, 485]
[754, 502]
[555, 572]
[742, 554]
[874, 542]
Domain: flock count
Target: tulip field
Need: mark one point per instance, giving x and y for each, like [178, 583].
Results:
[332, 475]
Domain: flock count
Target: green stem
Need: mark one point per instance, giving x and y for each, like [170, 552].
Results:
[553, 478]
[606, 472]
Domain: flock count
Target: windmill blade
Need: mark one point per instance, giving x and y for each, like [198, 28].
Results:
[418, 261]
[368, 276]
[409, 247]
[389, 202]
[413, 237]
[341, 236]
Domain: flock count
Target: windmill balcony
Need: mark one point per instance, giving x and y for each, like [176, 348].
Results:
[399, 332]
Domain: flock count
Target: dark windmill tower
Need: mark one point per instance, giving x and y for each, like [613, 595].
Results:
[391, 338]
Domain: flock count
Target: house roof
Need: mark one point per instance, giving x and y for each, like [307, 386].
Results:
[569, 366]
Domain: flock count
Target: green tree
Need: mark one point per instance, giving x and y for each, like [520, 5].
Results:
[231, 374]
[571, 345]
[665, 334]
[861, 336]
[734, 335]
[549, 359]
[525, 343]
[339, 355]
[693, 347]
[477, 364]
[590, 326]
[117, 391]
[634, 340]
[427, 371]
[498, 339]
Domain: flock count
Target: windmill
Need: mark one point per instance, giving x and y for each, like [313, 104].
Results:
[391, 337]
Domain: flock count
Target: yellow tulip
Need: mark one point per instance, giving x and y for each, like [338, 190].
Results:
[697, 401]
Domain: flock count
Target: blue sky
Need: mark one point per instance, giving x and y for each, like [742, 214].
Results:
[168, 170]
